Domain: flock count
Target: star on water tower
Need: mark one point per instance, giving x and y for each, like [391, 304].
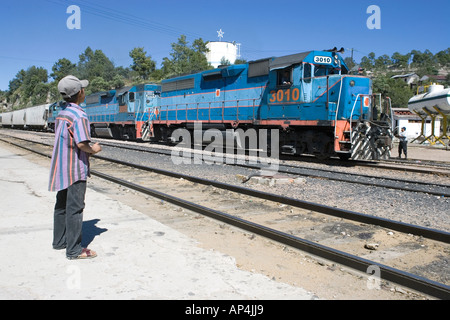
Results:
[220, 34]
[220, 51]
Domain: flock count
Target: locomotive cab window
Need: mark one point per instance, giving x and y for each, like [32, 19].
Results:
[122, 100]
[307, 72]
[284, 77]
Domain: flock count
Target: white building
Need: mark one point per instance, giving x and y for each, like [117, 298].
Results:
[222, 50]
[413, 124]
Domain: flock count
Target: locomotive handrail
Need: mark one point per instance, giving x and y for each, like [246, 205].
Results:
[351, 114]
[337, 106]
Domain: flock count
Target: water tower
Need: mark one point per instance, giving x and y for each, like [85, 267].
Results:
[222, 50]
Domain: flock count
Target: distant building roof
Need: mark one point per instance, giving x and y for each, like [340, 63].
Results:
[404, 75]
[438, 78]
[409, 78]
[404, 113]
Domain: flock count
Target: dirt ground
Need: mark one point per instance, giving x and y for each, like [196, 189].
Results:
[257, 254]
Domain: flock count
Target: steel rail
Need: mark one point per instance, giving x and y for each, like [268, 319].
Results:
[291, 169]
[329, 174]
[421, 284]
[429, 233]
[339, 177]
[403, 278]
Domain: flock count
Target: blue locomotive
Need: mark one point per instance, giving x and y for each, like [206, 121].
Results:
[119, 114]
[310, 97]
[123, 113]
[318, 106]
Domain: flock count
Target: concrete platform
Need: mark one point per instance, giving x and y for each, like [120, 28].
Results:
[138, 257]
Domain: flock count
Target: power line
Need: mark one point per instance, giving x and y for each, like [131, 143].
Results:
[126, 18]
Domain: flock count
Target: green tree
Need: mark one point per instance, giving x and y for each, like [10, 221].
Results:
[98, 84]
[40, 93]
[142, 64]
[443, 57]
[424, 62]
[62, 68]
[368, 62]
[382, 62]
[396, 89]
[399, 60]
[225, 62]
[240, 61]
[17, 82]
[186, 59]
[349, 62]
[34, 76]
[95, 64]
[197, 59]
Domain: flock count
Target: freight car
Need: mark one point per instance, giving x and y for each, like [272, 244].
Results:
[317, 106]
[33, 118]
[121, 114]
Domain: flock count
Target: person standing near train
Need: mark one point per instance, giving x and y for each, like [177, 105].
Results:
[70, 169]
[403, 143]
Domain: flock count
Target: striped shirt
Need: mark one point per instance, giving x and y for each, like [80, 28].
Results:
[69, 163]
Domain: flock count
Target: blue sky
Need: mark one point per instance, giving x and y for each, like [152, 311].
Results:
[35, 32]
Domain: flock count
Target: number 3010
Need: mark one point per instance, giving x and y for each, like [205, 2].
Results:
[321, 59]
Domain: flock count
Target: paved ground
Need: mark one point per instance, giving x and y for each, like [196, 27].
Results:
[422, 152]
[138, 257]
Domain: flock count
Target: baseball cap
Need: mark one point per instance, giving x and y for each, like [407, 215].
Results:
[71, 85]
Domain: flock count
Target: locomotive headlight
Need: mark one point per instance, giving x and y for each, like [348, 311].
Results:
[352, 83]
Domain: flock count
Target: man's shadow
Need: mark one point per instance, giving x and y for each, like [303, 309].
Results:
[90, 231]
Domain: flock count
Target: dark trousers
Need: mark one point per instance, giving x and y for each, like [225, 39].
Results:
[68, 219]
[403, 145]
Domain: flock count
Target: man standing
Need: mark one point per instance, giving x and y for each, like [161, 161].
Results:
[70, 169]
[403, 144]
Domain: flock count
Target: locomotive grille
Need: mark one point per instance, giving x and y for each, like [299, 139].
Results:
[178, 85]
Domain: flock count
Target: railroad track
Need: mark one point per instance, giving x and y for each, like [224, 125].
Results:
[423, 167]
[364, 179]
[265, 202]
[428, 187]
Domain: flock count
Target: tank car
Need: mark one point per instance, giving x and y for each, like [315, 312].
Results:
[433, 103]
[317, 106]
[121, 114]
